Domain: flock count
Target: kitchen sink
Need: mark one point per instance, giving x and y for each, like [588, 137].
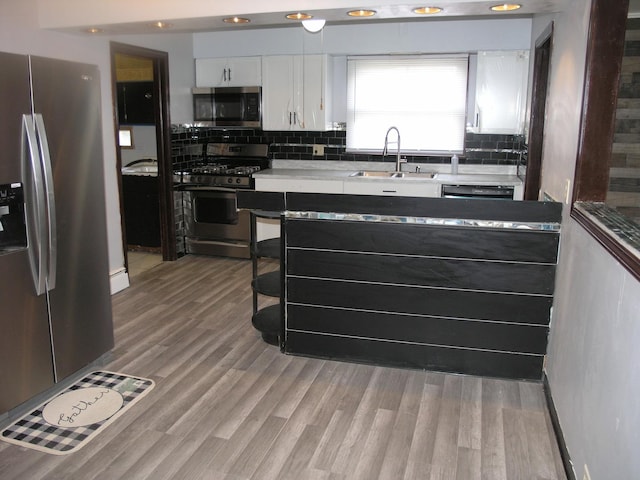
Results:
[141, 169]
[408, 175]
[416, 175]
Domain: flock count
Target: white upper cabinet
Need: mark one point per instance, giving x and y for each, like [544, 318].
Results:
[295, 92]
[229, 72]
[501, 92]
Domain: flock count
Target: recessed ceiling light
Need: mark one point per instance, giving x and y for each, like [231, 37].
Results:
[161, 25]
[94, 30]
[236, 20]
[506, 7]
[298, 16]
[361, 13]
[427, 10]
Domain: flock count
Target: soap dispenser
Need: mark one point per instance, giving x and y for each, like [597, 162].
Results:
[454, 164]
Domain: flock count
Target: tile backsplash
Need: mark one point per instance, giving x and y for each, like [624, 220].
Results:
[480, 149]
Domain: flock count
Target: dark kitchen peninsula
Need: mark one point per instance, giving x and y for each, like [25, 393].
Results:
[454, 285]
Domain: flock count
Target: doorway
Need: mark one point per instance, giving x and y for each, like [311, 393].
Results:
[140, 89]
[541, 62]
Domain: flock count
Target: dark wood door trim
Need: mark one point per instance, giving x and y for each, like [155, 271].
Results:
[605, 47]
[542, 60]
[163, 144]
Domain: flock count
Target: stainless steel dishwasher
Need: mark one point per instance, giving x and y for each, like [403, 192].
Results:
[494, 192]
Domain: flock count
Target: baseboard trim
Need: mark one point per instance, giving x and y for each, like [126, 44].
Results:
[119, 280]
[553, 413]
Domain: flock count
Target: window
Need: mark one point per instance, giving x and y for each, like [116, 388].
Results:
[424, 97]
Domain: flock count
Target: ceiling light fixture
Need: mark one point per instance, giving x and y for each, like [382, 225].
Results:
[506, 7]
[236, 20]
[361, 13]
[161, 25]
[298, 16]
[94, 30]
[314, 25]
[427, 10]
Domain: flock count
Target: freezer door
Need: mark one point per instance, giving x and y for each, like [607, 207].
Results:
[67, 97]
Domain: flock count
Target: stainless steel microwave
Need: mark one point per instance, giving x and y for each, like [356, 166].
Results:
[228, 106]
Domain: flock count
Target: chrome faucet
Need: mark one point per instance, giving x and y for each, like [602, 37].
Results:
[386, 147]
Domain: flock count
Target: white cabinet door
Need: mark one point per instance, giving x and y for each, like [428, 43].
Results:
[316, 102]
[228, 72]
[501, 91]
[295, 92]
[211, 72]
[244, 71]
[277, 92]
[399, 188]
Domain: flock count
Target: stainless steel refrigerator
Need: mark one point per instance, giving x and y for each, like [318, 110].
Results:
[55, 306]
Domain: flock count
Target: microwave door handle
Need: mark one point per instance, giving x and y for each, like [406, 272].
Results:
[45, 158]
[35, 201]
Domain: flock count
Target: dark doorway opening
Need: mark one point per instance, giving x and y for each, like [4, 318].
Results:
[161, 120]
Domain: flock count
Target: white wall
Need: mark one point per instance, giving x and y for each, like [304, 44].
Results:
[595, 330]
[442, 36]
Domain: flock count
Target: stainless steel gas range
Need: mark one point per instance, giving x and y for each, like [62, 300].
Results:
[213, 224]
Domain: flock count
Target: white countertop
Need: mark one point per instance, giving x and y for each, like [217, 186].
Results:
[468, 174]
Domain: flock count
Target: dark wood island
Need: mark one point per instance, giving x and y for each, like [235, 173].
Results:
[454, 285]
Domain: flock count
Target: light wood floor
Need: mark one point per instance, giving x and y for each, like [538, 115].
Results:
[228, 406]
[140, 262]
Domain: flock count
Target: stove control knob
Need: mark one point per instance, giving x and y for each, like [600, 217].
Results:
[238, 180]
[229, 180]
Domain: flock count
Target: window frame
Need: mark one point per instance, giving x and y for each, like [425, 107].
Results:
[605, 48]
[417, 152]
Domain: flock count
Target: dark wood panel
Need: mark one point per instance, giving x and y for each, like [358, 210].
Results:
[420, 300]
[439, 241]
[436, 272]
[431, 330]
[523, 211]
[474, 362]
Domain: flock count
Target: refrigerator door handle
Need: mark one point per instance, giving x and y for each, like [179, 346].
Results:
[34, 193]
[45, 159]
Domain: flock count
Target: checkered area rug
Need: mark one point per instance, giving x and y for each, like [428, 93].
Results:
[60, 436]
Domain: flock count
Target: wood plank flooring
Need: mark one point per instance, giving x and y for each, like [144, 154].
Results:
[140, 262]
[227, 406]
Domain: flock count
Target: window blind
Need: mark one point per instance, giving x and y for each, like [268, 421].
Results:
[424, 97]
